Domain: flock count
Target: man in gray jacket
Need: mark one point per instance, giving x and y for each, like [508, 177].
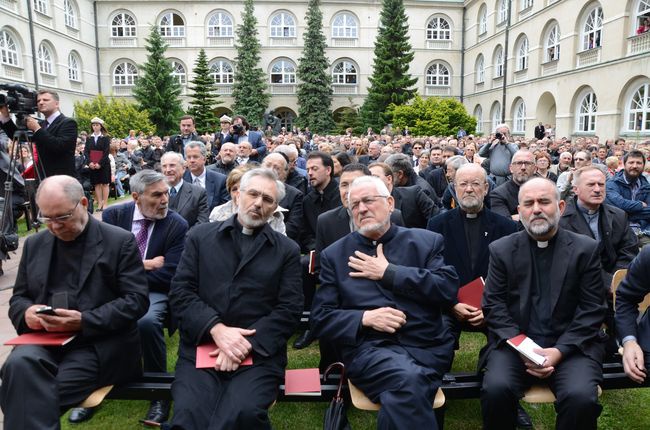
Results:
[499, 153]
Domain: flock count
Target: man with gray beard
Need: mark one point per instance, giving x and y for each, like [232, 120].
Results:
[544, 282]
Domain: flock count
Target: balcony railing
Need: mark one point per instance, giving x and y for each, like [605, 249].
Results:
[12, 72]
[338, 89]
[175, 41]
[283, 88]
[639, 43]
[588, 57]
[431, 90]
[282, 41]
[549, 68]
[438, 44]
[221, 41]
[121, 42]
[224, 90]
[339, 42]
[122, 90]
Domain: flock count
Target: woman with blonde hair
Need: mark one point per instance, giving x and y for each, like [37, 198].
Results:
[96, 152]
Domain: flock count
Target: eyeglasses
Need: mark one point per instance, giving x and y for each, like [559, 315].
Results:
[58, 219]
[254, 194]
[475, 185]
[580, 159]
[367, 201]
[523, 163]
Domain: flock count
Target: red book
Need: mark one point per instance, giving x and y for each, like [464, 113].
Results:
[96, 155]
[312, 262]
[525, 346]
[45, 338]
[204, 361]
[302, 382]
[472, 293]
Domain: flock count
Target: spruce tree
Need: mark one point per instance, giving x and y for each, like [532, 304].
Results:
[315, 87]
[157, 90]
[390, 80]
[204, 97]
[249, 89]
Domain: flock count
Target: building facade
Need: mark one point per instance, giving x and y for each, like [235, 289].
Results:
[577, 64]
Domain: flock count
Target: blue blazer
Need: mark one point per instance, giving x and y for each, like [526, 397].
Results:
[167, 239]
[628, 296]
[215, 187]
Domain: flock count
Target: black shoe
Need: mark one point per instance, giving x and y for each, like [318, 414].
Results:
[523, 419]
[303, 341]
[79, 415]
[158, 411]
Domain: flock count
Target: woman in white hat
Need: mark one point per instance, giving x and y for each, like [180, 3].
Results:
[97, 148]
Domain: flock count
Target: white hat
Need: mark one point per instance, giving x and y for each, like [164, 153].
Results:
[97, 120]
[225, 118]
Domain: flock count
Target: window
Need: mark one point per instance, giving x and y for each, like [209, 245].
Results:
[283, 72]
[125, 74]
[587, 111]
[642, 17]
[480, 70]
[502, 11]
[552, 48]
[478, 114]
[283, 25]
[437, 75]
[496, 115]
[172, 25]
[74, 70]
[639, 109]
[8, 49]
[438, 29]
[522, 54]
[482, 20]
[520, 117]
[41, 6]
[525, 4]
[70, 14]
[123, 25]
[344, 72]
[220, 25]
[592, 30]
[345, 25]
[178, 72]
[498, 62]
[222, 72]
[45, 62]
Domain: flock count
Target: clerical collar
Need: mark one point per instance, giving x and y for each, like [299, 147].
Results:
[245, 230]
[470, 216]
[542, 244]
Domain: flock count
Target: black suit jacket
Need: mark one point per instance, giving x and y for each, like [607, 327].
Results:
[628, 296]
[504, 199]
[215, 187]
[415, 205]
[103, 144]
[191, 202]
[292, 201]
[314, 204]
[111, 297]
[539, 131]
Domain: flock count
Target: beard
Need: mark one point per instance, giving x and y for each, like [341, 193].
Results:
[471, 204]
[378, 227]
[540, 230]
[250, 222]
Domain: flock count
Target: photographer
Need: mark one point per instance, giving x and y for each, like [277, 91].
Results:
[177, 142]
[242, 133]
[55, 137]
[499, 153]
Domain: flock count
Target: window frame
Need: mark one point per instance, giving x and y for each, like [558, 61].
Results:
[594, 19]
[41, 6]
[74, 70]
[290, 74]
[519, 120]
[9, 56]
[221, 29]
[480, 69]
[124, 27]
[439, 29]
[633, 112]
[70, 14]
[552, 41]
[523, 54]
[173, 29]
[345, 30]
[442, 73]
[218, 68]
[129, 77]
[498, 62]
[284, 28]
[46, 63]
[482, 20]
[478, 115]
[588, 117]
[342, 77]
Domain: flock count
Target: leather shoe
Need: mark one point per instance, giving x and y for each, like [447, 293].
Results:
[79, 415]
[523, 419]
[304, 340]
[158, 411]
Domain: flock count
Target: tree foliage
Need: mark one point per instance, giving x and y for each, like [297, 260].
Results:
[432, 117]
[315, 83]
[204, 97]
[157, 90]
[119, 116]
[390, 80]
[250, 88]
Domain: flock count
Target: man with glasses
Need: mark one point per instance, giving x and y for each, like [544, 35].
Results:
[504, 198]
[380, 300]
[92, 275]
[581, 159]
[499, 153]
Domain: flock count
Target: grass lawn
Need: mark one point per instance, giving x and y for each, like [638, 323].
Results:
[622, 409]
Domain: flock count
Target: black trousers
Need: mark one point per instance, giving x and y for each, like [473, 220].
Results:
[574, 384]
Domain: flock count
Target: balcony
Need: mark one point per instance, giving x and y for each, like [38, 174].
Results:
[124, 42]
[438, 44]
[221, 41]
[12, 72]
[177, 42]
[588, 57]
[340, 89]
[126, 90]
[431, 90]
[638, 44]
[282, 41]
[283, 88]
[339, 42]
[224, 90]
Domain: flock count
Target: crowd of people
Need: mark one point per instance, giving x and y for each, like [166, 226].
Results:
[230, 236]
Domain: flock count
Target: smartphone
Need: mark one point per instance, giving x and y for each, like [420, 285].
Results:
[46, 310]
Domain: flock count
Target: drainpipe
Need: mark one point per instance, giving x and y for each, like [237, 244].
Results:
[505, 64]
[462, 59]
[30, 19]
[99, 75]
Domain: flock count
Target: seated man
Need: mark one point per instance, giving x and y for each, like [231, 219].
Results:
[382, 289]
[544, 282]
[91, 273]
[248, 302]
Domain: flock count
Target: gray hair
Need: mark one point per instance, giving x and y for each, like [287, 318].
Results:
[141, 180]
[399, 162]
[578, 173]
[265, 173]
[456, 161]
[471, 166]
[288, 150]
[176, 155]
[195, 144]
[381, 188]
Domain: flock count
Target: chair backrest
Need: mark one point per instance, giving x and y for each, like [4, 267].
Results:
[619, 275]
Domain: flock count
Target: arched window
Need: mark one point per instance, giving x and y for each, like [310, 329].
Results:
[522, 54]
[592, 29]
[70, 13]
[642, 17]
[125, 74]
[520, 117]
[437, 75]
[639, 109]
[222, 72]
[172, 25]
[283, 72]
[498, 62]
[220, 24]
[283, 25]
[41, 6]
[45, 60]
[478, 114]
[74, 67]
[178, 72]
[482, 20]
[586, 113]
[480, 70]
[502, 11]
[344, 72]
[8, 49]
[552, 44]
[345, 25]
[496, 115]
[123, 25]
[438, 29]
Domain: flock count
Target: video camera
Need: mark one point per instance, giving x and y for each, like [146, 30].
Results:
[20, 100]
[238, 129]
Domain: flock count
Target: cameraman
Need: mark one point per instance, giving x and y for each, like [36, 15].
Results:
[499, 153]
[55, 137]
[177, 142]
[242, 133]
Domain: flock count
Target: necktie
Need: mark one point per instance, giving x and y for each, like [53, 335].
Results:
[141, 237]
[197, 181]
[172, 192]
[46, 124]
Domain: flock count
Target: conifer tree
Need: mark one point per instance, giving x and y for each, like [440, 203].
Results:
[156, 90]
[315, 84]
[250, 88]
[390, 81]
[204, 97]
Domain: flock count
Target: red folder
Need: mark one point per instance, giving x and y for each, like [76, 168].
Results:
[204, 361]
[45, 338]
[472, 293]
[526, 346]
[302, 382]
[96, 155]
[312, 262]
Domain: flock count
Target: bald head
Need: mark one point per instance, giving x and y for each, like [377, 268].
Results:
[278, 164]
[63, 186]
[63, 208]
